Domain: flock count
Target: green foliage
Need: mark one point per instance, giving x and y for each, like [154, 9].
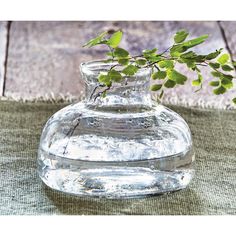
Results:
[120, 53]
[159, 75]
[180, 36]
[115, 75]
[227, 83]
[176, 50]
[168, 64]
[141, 62]
[234, 100]
[149, 53]
[223, 59]
[188, 55]
[214, 65]
[219, 90]
[123, 61]
[115, 39]
[227, 68]
[98, 40]
[161, 94]
[198, 81]
[213, 55]
[176, 76]
[104, 79]
[156, 87]
[163, 63]
[104, 94]
[130, 70]
[214, 83]
[227, 76]
[216, 74]
[111, 76]
[170, 84]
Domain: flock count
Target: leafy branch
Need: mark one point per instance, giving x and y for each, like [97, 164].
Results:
[163, 64]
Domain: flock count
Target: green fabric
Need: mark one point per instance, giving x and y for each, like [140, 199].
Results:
[213, 190]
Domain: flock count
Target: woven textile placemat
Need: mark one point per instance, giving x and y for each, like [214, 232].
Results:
[213, 190]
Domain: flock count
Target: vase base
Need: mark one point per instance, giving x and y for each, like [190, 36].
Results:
[90, 179]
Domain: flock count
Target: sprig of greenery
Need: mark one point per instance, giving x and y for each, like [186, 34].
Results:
[163, 64]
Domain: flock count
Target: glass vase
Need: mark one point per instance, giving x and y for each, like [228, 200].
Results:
[121, 145]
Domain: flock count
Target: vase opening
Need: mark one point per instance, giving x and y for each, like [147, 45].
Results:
[131, 93]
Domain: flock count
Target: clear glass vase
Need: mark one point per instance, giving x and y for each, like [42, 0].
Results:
[121, 145]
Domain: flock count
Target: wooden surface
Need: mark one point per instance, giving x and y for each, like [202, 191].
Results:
[229, 28]
[44, 57]
[3, 47]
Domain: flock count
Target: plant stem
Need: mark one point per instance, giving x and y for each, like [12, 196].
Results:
[94, 90]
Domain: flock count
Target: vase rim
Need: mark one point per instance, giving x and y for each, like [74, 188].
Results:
[94, 67]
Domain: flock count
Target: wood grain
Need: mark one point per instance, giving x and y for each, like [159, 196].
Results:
[229, 28]
[3, 43]
[44, 57]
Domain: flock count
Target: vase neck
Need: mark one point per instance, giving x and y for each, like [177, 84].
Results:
[131, 93]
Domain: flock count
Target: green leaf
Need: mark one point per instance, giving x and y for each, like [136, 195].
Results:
[216, 74]
[214, 83]
[120, 53]
[95, 41]
[195, 42]
[156, 87]
[168, 64]
[159, 75]
[154, 58]
[104, 94]
[214, 65]
[149, 52]
[227, 76]
[115, 39]
[227, 68]
[161, 94]
[141, 62]
[227, 83]
[151, 55]
[198, 81]
[110, 54]
[199, 58]
[213, 55]
[188, 55]
[170, 84]
[123, 61]
[200, 78]
[176, 76]
[223, 59]
[192, 57]
[191, 65]
[130, 70]
[115, 75]
[104, 79]
[234, 100]
[180, 36]
[176, 50]
[219, 90]
[234, 63]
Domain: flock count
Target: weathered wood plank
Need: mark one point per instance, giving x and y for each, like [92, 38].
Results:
[44, 57]
[3, 43]
[229, 28]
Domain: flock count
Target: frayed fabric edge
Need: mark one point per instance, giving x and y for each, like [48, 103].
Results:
[200, 103]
